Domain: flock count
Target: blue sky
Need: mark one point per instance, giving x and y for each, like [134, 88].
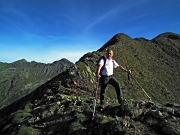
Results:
[49, 30]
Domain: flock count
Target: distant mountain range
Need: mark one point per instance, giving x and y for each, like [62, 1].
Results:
[65, 103]
[19, 78]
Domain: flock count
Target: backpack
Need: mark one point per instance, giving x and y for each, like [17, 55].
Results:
[104, 58]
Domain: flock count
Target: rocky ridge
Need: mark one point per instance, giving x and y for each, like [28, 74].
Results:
[48, 110]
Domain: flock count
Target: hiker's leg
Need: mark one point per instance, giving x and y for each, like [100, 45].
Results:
[104, 83]
[117, 87]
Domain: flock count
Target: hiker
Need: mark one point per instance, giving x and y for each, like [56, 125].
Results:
[105, 76]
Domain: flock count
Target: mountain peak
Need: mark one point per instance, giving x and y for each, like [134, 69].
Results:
[120, 37]
[169, 35]
[21, 61]
[63, 60]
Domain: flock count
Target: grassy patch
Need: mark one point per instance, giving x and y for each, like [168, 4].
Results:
[26, 131]
[21, 114]
[76, 126]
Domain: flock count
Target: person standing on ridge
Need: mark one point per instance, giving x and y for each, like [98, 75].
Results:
[105, 76]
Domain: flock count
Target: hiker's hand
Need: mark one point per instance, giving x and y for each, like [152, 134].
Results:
[98, 77]
[129, 72]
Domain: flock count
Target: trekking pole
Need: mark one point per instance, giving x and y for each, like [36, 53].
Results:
[130, 75]
[96, 97]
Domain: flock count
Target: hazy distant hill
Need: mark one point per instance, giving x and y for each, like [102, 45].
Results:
[21, 77]
[65, 104]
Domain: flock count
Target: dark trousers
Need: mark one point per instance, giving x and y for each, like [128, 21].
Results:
[104, 81]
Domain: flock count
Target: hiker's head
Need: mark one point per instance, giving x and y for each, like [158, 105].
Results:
[109, 54]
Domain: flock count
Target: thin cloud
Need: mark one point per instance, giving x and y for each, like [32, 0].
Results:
[102, 18]
[44, 39]
[16, 14]
[71, 56]
[41, 54]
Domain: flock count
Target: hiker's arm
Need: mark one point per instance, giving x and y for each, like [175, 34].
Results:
[121, 67]
[98, 71]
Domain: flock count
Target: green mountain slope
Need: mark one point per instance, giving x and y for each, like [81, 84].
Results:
[19, 78]
[154, 63]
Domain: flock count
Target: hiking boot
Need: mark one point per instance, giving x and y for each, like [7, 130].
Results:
[122, 109]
